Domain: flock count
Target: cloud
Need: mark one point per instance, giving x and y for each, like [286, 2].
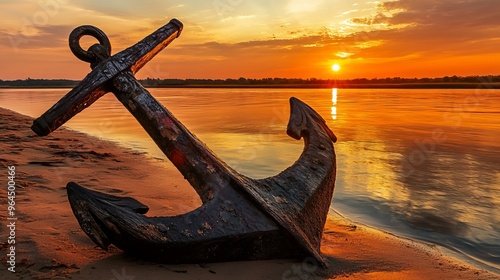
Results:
[448, 13]
[50, 36]
[430, 28]
[263, 47]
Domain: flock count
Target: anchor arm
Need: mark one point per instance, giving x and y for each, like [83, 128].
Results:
[299, 197]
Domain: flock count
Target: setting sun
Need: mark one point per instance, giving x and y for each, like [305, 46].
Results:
[335, 67]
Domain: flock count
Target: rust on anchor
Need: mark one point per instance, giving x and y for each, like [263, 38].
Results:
[241, 218]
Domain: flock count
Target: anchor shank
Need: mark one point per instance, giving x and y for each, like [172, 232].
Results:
[199, 165]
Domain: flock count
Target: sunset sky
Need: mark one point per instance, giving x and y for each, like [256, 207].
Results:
[259, 39]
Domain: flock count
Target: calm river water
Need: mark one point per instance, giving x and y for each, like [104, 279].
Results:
[424, 164]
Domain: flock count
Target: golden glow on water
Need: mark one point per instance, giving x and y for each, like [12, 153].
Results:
[334, 103]
[363, 163]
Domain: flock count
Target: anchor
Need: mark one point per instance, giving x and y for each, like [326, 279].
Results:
[240, 218]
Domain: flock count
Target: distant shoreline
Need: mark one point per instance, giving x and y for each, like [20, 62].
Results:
[446, 82]
[303, 86]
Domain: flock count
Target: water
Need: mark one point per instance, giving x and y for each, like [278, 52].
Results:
[419, 163]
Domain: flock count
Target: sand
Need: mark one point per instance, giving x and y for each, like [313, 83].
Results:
[50, 243]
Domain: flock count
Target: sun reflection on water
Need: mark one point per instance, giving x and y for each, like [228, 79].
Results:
[334, 104]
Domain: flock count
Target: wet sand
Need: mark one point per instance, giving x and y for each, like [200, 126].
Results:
[50, 243]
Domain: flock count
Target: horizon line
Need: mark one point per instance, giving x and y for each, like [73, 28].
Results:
[282, 78]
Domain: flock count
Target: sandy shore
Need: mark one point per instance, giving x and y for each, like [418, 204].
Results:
[50, 243]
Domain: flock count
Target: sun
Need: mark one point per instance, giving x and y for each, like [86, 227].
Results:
[335, 67]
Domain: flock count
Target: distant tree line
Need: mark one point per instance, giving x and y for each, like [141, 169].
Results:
[317, 82]
[447, 81]
[39, 83]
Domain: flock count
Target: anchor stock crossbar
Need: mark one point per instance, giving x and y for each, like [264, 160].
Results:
[241, 218]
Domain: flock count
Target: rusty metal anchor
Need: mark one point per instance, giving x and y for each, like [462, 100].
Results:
[241, 218]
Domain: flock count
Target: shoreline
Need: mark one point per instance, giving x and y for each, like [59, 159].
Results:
[51, 241]
[448, 251]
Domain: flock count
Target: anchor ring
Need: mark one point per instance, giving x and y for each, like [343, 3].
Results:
[79, 32]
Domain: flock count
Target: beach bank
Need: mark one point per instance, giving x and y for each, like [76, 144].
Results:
[50, 243]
